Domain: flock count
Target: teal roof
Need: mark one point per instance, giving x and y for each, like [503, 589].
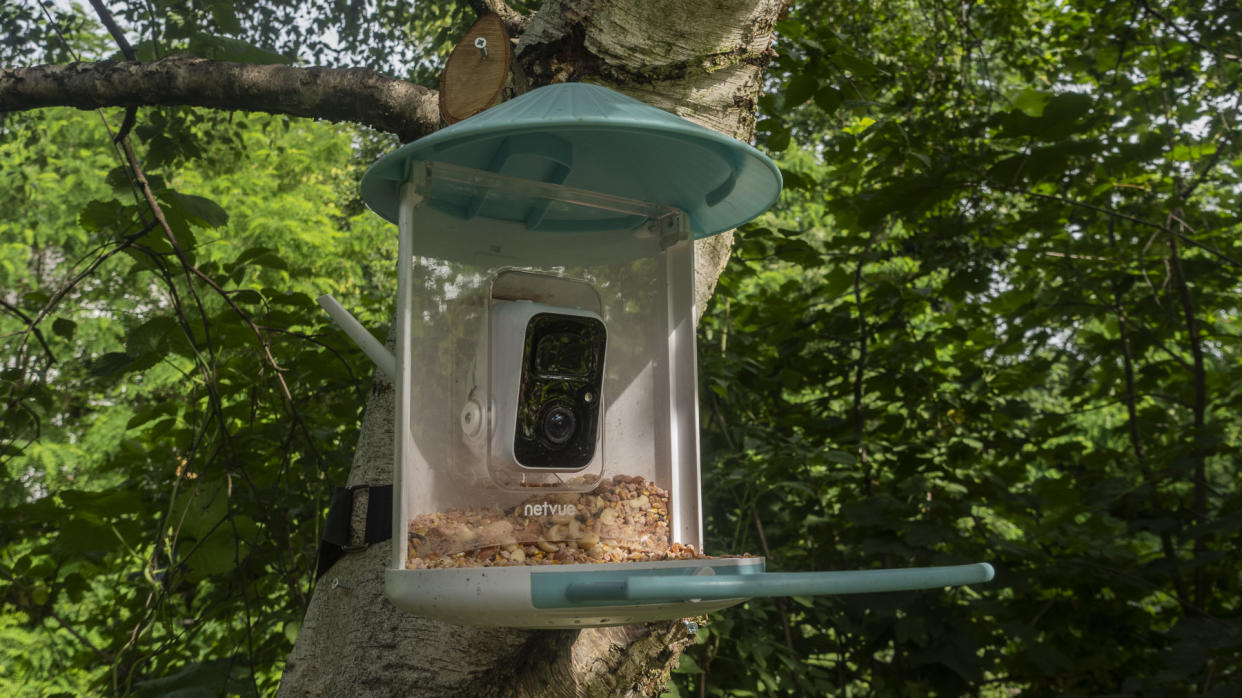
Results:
[592, 138]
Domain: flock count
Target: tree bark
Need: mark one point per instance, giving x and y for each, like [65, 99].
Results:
[702, 62]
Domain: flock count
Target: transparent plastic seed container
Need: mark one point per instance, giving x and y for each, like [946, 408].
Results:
[546, 395]
[550, 419]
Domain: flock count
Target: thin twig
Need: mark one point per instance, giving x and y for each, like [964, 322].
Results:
[1134, 219]
[1127, 358]
[1199, 377]
[156, 210]
[860, 369]
[131, 112]
[780, 602]
[78, 278]
[33, 327]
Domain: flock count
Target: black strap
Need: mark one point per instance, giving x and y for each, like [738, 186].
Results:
[336, 531]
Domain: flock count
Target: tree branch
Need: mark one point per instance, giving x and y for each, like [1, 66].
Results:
[1200, 416]
[515, 22]
[334, 94]
[860, 368]
[105, 16]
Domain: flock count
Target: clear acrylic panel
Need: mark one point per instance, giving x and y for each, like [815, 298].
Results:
[547, 424]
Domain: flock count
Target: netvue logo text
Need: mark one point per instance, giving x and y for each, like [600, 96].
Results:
[549, 509]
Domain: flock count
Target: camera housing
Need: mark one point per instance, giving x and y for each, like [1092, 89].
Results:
[547, 377]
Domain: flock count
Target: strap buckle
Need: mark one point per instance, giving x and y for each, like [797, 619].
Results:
[338, 532]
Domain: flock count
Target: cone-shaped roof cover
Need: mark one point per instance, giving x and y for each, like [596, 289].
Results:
[592, 138]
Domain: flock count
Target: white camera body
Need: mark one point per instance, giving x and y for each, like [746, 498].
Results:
[546, 400]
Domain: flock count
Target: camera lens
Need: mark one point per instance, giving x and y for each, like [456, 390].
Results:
[559, 424]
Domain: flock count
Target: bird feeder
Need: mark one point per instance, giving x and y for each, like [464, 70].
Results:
[546, 416]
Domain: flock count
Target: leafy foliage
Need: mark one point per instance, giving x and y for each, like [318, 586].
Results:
[995, 318]
[174, 409]
[172, 428]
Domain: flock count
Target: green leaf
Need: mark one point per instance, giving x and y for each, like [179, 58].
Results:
[794, 180]
[798, 252]
[271, 261]
[791, 27]
[163, 409]
[841, 457]
[144, 50]
[856, 64]
[202, 509]
[161, 150]
[193, 680]
[79, 537]
[224, 15]
[1067, 107]
[1032, 102]
[118, 178]
[217, 555]
[687, 665]
[199, 209]
[63, 327]
[250, 253]
[800, 89]
[111, 502]
[100, 215]
[829, 99]
[151, 336]
[258, 256]
[223, 48]
[111, 364]
[778, 136]
[247, 296]
[1191, 153]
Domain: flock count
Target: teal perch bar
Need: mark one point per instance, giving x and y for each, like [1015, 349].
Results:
[682, 588]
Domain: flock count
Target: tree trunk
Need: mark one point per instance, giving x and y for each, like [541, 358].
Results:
[700, 60]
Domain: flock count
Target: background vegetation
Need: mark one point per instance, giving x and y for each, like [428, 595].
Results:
[993, 318]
